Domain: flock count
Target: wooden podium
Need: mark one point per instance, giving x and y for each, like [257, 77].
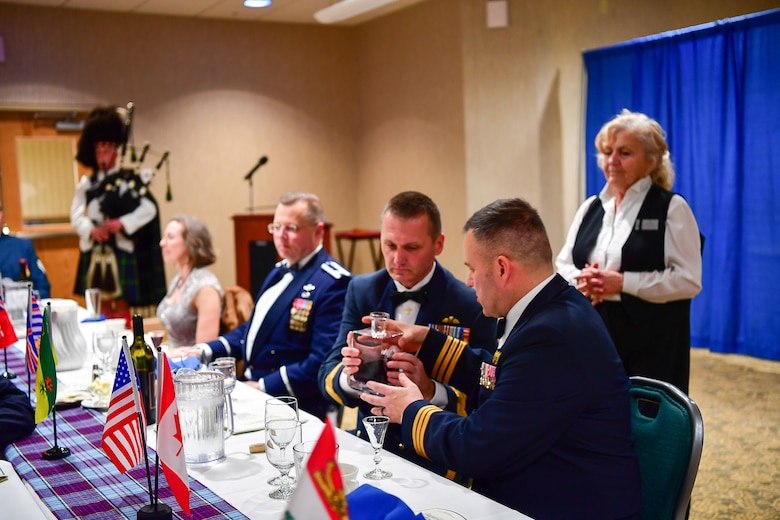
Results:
[250, 228]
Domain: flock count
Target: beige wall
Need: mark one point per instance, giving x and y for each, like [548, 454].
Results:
[426, 98]
[411, 116]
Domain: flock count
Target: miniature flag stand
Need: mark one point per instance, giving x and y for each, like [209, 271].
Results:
[7, 373]
[46, 386]
[124, 436]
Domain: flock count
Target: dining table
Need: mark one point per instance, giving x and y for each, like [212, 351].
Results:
[86, 485]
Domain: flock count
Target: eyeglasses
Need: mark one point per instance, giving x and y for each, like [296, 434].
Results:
[278, 228]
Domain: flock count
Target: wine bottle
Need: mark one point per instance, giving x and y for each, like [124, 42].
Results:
[143, 357]
[24, 270]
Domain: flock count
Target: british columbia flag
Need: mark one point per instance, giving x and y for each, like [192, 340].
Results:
[34, 326]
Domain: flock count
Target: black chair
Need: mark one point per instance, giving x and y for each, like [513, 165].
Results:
[668, 435]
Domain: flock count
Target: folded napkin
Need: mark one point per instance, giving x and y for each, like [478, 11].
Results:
[186, 362]
[369, 503]
[102, 317]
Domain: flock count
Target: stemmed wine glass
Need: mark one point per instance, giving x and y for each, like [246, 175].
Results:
[103, 345]
[376, 426]
[279, 434]
[156, 337]
[281, 407]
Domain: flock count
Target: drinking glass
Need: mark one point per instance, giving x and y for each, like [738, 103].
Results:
[92, 297]
[227, 367]
[279, 435]
[374, 352]
[301, 453]
[281, 407]
[103, 345]
[376, 426]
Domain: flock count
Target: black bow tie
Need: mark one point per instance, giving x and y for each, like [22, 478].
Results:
[399, 298]
[500, 327]
[288, 268]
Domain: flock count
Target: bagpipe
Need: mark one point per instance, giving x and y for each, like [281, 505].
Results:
[135, 161]
[121, 192]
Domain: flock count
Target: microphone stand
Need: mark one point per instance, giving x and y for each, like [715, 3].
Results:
[251, 196]
[248, 177]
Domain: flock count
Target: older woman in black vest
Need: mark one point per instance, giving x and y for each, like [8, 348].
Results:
[635, 250]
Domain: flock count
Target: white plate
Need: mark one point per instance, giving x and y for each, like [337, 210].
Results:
[93, 404]
[441, 514]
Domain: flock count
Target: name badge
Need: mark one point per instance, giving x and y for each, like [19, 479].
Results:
[646, 224]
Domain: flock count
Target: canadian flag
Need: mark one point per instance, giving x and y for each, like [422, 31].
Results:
[170, 446]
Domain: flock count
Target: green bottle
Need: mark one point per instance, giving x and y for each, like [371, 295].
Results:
[143, 358]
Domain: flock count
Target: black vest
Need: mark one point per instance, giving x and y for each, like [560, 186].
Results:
[643, 251]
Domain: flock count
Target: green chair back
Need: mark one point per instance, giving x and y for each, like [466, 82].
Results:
[668, 437]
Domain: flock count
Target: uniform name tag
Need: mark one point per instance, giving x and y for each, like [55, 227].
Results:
[646, 224]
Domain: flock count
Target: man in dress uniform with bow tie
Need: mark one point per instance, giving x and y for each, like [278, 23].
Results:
[297, 313]
[551, 433]
[413, 288]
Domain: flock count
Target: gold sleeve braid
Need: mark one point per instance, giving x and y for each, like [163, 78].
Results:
[461, 397]
[329, 384]
[447, 359]
[419, 426]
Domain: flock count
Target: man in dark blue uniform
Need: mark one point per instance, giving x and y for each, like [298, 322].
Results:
[12, 249]
[17, 418]
[551, 434]
[297, 313]
[413, 288]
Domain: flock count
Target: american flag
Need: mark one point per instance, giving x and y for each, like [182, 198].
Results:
[122, 437]
[34, 327]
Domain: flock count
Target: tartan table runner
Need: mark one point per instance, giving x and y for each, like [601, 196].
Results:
[86, 485]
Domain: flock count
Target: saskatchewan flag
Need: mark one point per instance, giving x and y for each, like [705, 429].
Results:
[46, 375]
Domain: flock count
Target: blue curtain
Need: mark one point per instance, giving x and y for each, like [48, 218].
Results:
[715, 89]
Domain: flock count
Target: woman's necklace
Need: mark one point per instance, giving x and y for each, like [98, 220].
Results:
[182, 279]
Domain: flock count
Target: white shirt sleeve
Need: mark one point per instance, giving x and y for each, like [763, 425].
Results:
[564, 263]
[78, 214]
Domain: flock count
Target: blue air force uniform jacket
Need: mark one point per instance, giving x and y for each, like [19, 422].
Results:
[450, 303]
[297, 332]
[11, 250]
[553, 438]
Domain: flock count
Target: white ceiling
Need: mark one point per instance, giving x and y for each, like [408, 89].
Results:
[282, 11]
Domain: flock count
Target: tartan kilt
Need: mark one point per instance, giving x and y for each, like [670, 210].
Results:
[139, 286]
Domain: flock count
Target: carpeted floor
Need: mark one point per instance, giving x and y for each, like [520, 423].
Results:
[739, 474]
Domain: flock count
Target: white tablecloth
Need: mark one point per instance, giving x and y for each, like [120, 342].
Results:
[241, 478]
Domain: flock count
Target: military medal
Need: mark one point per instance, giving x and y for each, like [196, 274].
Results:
[299, 314]
[487, 376]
